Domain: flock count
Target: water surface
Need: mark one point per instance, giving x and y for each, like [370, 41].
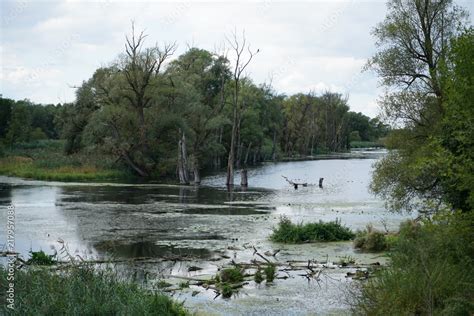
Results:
[174, 227]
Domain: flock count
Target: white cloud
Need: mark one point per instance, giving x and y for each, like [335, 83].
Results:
[314, 45]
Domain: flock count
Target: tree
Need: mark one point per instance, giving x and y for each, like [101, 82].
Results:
[199, 79]
[6, 106]
[127, 94]
[414, 41]
[240, 64]
[19, 125]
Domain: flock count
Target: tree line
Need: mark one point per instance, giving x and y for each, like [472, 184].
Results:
[160, 115]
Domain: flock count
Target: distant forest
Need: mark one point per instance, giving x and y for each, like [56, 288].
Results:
[158, 117]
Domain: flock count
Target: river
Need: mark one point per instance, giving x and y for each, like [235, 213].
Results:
[208, 226]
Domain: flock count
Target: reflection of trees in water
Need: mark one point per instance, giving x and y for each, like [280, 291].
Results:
[146, 249]
[5, 194]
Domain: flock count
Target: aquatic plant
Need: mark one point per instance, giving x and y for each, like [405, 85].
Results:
[270, 272]
[41, 258]
[226, 290]
[258, 276]
[288, 232]
[231, 275]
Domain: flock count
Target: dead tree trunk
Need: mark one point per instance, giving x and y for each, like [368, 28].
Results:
[247, 154]
[274, 145]
[238, 46]
[243, 178]
[182, 160]
[321, 182]
[197, 176]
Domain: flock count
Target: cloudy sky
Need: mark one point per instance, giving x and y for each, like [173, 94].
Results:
[48, 47]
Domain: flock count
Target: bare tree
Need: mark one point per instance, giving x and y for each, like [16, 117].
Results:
[242, 60]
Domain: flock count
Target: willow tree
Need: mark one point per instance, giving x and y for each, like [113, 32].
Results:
[127, 94]
[413, 40]
[199, 78]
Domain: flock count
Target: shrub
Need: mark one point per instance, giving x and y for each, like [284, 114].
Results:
[289, 232]
[431, 271]
[371, 239]
[83, 291]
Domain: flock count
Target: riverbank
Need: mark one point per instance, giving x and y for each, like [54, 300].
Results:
[45, 160]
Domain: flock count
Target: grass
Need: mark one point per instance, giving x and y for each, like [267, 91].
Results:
[45, 160]
[288, 232]
[83, 291]
[431, 271]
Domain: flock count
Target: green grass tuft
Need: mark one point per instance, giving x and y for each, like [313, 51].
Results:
[83, 291]
[40, 258]
[288, 232]
[231, 275]
[258, 277]
[270, 272]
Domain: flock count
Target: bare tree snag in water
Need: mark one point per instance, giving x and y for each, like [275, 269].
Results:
[295, 184]
[243, 178]
[197, 175]
[303, 184]
[238, 47]
[182, 160]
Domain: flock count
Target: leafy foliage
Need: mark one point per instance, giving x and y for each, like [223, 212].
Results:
[431, 271]
[427, 61]
[371, 240]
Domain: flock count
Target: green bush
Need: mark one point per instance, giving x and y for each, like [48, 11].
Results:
[258, 277]
[371, 240]
[226, 290]
[231, 275]
[83, 291]
[40, 258]
[288, 232]
[270, 272]
[431, 271]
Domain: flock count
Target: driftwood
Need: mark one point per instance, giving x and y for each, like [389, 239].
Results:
[295, 184]
[303, 184]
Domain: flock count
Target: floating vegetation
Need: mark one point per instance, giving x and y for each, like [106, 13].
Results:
[288, 232]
